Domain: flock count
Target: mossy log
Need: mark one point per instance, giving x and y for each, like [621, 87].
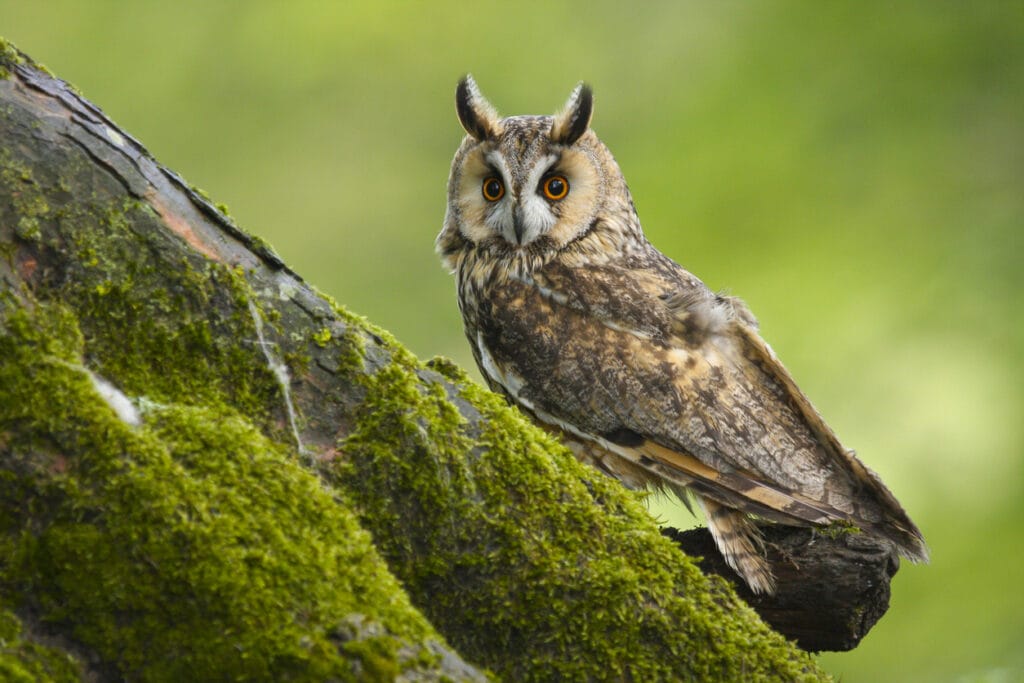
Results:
[208, 470]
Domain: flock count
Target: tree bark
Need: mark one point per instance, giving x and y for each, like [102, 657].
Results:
[194, 444]
[831, 589]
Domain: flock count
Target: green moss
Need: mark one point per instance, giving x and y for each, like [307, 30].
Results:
[484, 527]
[840, 528]
[8, 56]
[349, 334]
[448, 369]
[142, 308]
[28, 229]
[24, 661]
[27, 201]
[260, 244]
[190, 547]
[202, 193]
[322, 337]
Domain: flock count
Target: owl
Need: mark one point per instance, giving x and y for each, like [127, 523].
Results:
[646, 373]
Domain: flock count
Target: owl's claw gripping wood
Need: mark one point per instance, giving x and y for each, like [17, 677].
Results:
[650, 376]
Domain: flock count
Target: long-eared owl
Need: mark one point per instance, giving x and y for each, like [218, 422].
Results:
[649, 376]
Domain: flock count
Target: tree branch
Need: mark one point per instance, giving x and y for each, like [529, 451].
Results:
[194, 443]
[830, 589]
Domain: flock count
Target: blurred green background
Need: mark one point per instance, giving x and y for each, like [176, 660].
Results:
[855, 171]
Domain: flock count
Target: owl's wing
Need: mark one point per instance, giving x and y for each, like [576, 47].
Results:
[654, 367]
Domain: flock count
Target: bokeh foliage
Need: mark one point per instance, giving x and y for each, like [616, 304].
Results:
[853, 170]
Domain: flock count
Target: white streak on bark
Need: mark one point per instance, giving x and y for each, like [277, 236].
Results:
[115, 398]
[280, 371]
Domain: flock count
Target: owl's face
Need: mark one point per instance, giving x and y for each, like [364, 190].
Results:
[527, 186]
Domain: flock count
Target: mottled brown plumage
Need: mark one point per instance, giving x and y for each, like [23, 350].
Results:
[575, 317]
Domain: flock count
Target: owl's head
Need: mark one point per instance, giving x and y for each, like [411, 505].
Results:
[527, 187]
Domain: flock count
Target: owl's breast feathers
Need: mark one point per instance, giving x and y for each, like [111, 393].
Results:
[648, 364]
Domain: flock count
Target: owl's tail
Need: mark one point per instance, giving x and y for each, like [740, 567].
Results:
[740, 543]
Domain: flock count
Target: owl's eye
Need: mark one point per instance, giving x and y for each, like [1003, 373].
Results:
[555, 187]
[493, 189]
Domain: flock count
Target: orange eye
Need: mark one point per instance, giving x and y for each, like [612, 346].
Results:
[493, 189]
[556, 187]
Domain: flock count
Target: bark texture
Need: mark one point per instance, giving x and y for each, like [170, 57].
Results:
[210, 470]
[831, 589]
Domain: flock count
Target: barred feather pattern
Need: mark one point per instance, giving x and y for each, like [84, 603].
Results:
[740, 543]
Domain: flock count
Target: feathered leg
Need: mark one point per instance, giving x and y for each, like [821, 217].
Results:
[740, 543]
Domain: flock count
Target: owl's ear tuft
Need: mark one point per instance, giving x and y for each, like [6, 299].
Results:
[476, 114]
[574, 118]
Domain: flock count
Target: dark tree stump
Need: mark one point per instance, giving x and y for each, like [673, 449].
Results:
[831, 589]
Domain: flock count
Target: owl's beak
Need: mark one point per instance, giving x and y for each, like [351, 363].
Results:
[518, 223]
